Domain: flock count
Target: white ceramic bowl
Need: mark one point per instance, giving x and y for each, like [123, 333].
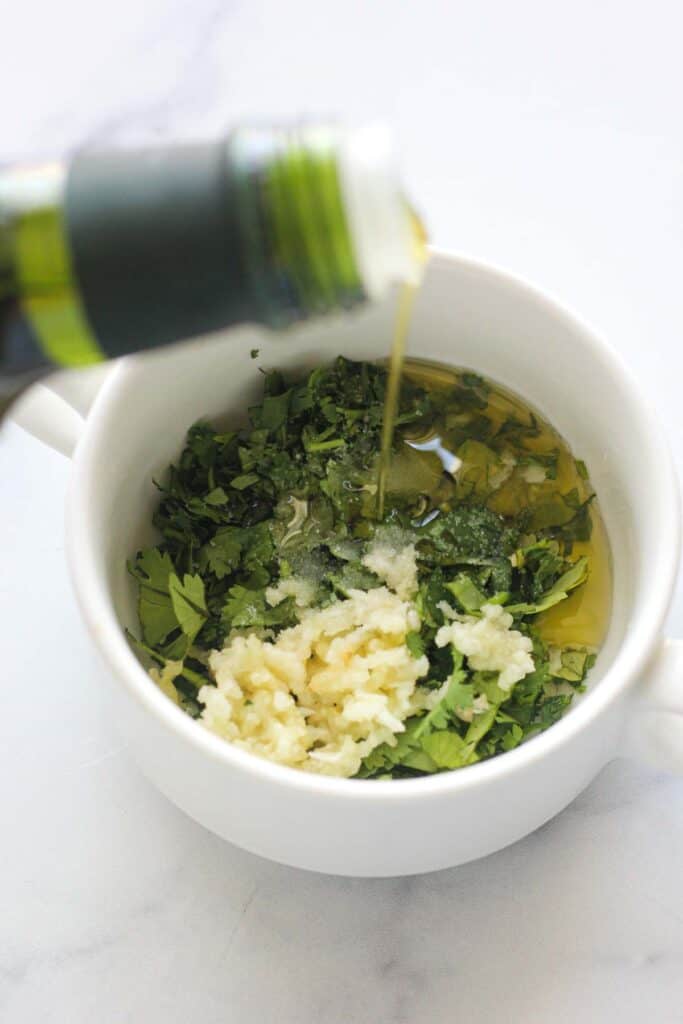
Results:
[469, 315]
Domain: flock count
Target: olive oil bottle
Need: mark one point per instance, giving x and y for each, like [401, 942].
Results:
[115, 252]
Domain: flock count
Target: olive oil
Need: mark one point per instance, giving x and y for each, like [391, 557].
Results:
[448, 464]
[406, 300]
[404, 312]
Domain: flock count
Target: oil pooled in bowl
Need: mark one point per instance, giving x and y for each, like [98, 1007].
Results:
[486, 444]
[280, 612]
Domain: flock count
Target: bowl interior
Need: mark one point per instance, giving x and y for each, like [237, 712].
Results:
[465, 315]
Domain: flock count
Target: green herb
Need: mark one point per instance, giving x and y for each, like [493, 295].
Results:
[466, 592]
[415, 644]
[568, 581]
[293, 493]
[153, 570]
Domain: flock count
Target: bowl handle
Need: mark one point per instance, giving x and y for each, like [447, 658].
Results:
[55, 411]
[654, 725]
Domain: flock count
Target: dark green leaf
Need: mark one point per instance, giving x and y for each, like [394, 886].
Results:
[244, 480]
[574, 577]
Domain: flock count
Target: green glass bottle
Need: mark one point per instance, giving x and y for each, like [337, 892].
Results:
[115, 252]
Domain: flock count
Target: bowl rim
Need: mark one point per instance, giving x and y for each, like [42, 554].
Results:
[97, 609]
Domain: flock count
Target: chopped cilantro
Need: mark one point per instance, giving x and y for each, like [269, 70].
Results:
[293, 493]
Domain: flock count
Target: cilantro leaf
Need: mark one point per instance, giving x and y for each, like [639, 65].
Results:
[221, 554]
[480, 725]
[415, 644]
[469, 534]
[244, 480]
[449, 750]
[467, 593]
[573, 664]
[512, 738]
[189, 603]
[157, 616]
[152, 569]
[292, 493]
[216, 497]
[245, 608]
[572, 578]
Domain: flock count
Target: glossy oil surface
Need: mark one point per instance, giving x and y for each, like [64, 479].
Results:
[584, 617]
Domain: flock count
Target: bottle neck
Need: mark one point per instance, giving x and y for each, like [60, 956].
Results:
[388, 238]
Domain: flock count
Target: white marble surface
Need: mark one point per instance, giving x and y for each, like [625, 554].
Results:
[546, 137]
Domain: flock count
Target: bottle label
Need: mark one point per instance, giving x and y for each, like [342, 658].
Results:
[298, 249]
[155, 246]
[46, 291]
